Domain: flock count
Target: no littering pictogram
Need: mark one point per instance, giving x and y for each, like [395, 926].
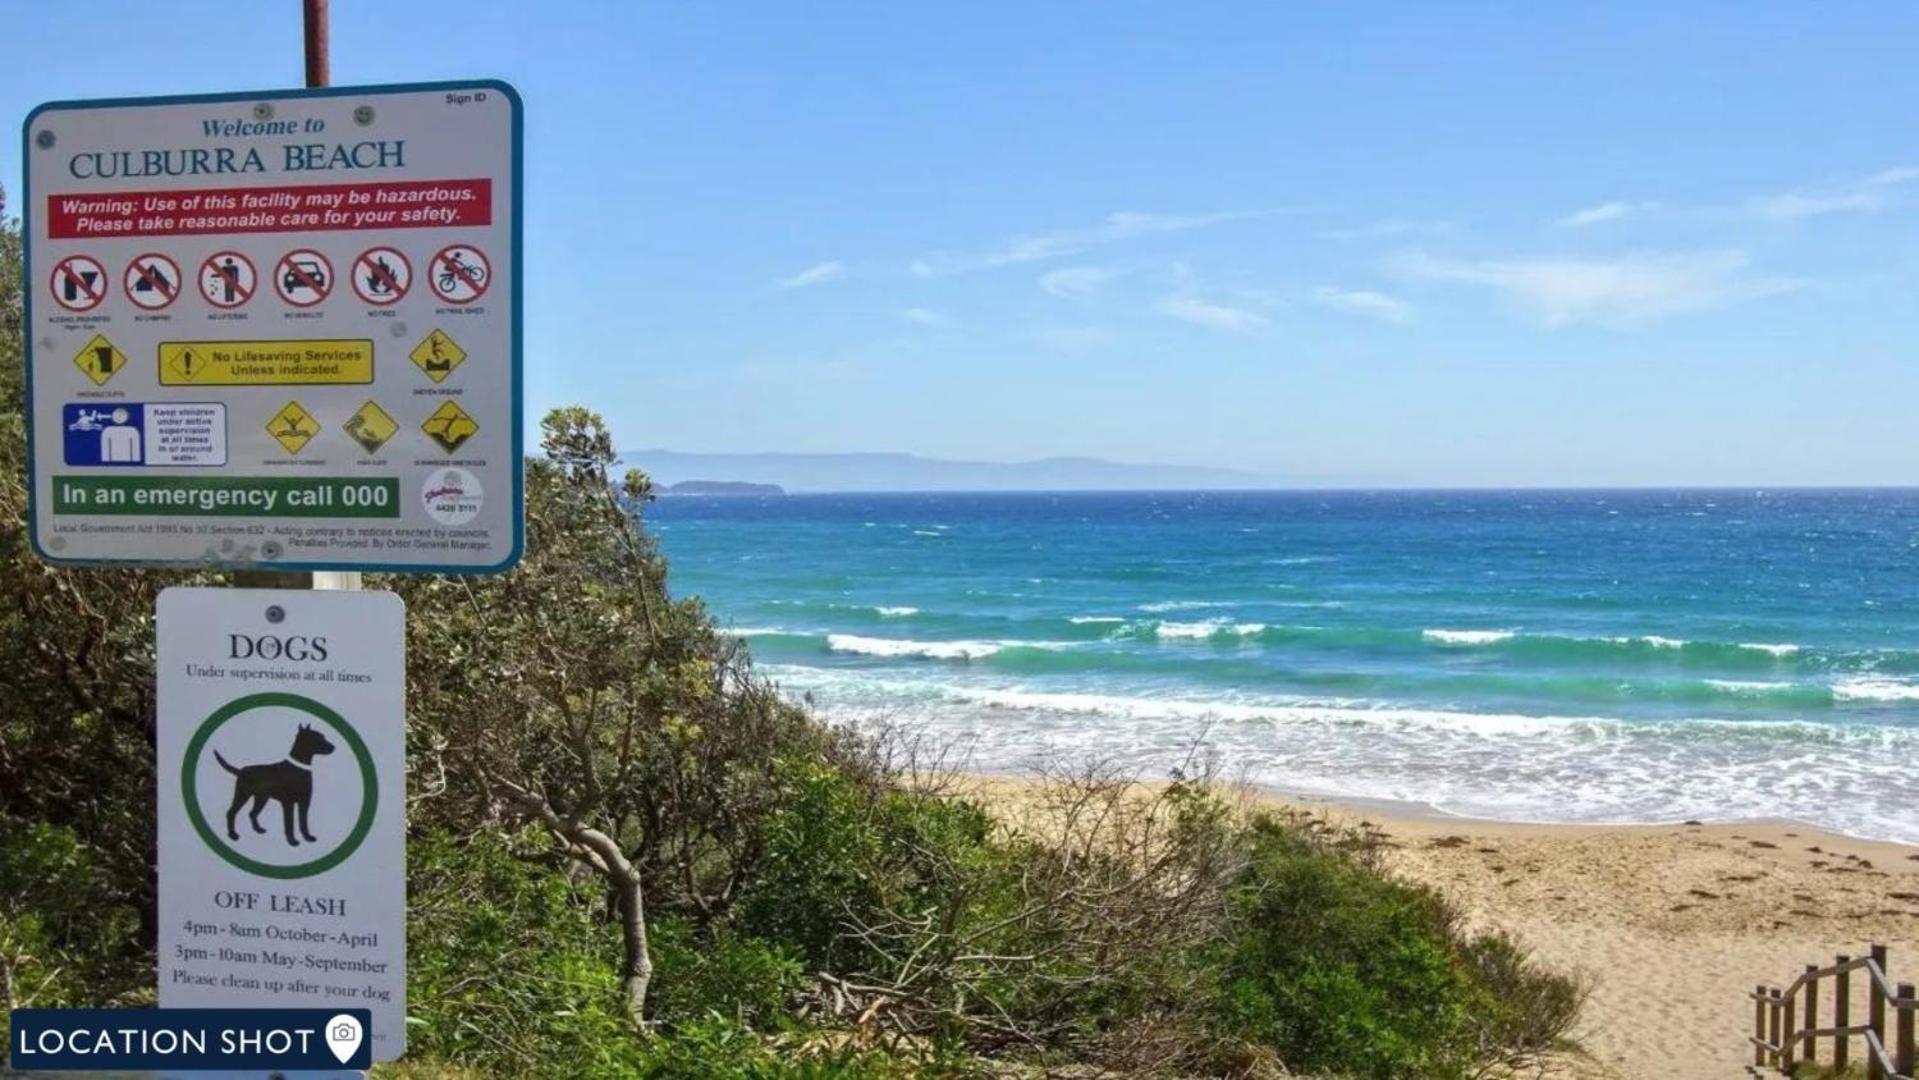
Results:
[79, 283]
[152, 281]
[459, 274]
[303, 277]
[381, 276]
[228, 279]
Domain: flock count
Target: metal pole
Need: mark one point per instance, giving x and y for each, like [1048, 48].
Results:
[319, 63]
[318, 51]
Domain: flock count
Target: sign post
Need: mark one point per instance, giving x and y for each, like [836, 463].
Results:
[278, 330]
[281, 757]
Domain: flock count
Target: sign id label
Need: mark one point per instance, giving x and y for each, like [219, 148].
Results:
[282, 803]
[229, 340]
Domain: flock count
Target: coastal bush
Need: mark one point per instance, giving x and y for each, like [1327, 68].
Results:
[1344, 970]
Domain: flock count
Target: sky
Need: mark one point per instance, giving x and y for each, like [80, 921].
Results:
[1471, 244]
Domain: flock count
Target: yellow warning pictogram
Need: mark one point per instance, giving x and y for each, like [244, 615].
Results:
[293, 427]
[450, 426]
[371, 427]
[437, 355]
[99, 360]
[181, 363]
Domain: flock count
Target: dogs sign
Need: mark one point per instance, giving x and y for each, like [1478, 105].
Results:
[253, 258]
[282, 803]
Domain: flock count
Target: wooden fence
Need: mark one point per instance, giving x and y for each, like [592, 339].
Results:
[1787, 1034]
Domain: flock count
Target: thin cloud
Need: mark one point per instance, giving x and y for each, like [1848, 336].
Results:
[1391, 227]
[1077, 282]
[1038, 247]
[1611, 210]
[1873, 193]
[1622, 291]
[1211, 315]
[925, 317]
[819, 274]
[1373, 305]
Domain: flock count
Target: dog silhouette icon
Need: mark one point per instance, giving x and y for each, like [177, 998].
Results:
[289, 780]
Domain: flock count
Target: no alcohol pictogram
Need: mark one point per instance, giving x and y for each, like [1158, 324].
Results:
[79, 283]
[152, 281]
[459, 274]
[381, 276]
[228, 279]
[303, 277]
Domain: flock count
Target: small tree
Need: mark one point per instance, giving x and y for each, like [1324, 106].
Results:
[575, 693]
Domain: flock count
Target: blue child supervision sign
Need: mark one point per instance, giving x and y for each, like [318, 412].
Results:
[131, 433]
[114, 1040]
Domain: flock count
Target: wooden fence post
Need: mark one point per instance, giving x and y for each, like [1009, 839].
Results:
[1906, 1055]
[1842, 1015]
[1876, 1013]
[1775, 1015]
[1809, 1049]
[1788, 1031]
[1759, 1024]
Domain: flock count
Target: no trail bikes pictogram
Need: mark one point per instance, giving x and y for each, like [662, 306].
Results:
[382, 276]
[79, 283]
[459, 274]
[228, 279]
[152, 281]
[303, 277]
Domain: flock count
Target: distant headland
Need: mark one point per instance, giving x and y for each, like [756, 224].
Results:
[721, 487]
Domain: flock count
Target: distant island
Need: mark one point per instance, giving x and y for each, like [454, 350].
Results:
[683, 473]
[721, 487]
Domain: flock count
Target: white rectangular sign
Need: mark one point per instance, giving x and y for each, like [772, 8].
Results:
[277, 329]
[282, 802]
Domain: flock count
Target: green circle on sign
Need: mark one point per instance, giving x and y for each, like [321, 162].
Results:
[369, 778]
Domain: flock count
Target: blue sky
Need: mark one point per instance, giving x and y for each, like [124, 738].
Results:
[1623, 243]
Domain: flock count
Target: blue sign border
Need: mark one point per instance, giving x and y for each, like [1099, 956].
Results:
[518, 316]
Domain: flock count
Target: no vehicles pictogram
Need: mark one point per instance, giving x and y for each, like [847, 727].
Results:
[303, 277]
[152, 281]
[79, 283]
[459, 274]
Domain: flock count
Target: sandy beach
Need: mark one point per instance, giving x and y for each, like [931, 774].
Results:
[1673, 924]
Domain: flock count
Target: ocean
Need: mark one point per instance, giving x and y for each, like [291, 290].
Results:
[1595, 656]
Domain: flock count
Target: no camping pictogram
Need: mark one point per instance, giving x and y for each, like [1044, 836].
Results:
[228, 279]
[459, 273]
[79, 283]
[381, 276]
[152, 281]
[303, 277]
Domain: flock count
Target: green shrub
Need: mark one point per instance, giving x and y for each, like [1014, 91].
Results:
[512, 967]
[67, 938]
[720, 976]
[1343, 970]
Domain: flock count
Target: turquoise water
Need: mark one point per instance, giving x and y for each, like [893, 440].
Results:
[1556, 656]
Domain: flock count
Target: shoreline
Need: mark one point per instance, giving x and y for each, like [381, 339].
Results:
[1673, 924]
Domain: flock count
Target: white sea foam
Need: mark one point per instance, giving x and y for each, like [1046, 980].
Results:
[1510, 766]
[756, 631]
[1869, 689]
[1467, 637]
[1084, 620]
[1776, 650]
[1208, 629]
[1748, 686]
[930, 650]
[1159, 606]
[896, 612]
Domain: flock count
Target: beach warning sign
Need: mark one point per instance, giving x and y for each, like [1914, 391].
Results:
[236, 297]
